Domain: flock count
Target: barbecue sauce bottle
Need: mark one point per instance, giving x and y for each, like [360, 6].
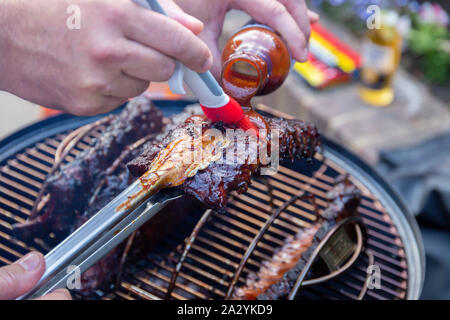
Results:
[255, 61]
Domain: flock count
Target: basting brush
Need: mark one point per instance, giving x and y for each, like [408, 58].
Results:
[231, 112]
[215, 103]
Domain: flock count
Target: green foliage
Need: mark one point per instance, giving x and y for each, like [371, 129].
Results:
[344, 15]
[428, 42]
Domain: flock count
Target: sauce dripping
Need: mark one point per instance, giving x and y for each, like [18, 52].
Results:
[183, 157]
[256, 61]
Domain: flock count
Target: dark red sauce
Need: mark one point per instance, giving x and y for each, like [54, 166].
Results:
[256, 62]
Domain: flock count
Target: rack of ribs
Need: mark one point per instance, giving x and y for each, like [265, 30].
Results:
[277, 276]
[79, 189]
[210, 181]
[70, 186]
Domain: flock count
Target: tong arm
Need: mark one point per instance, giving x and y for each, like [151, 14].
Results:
[99, 235]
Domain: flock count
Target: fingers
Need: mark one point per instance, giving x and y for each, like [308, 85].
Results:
[292, 23]
[93, 104]
[176, 13]
[299, 11]
[313, 16]
[210, 37]
[105, 104]
[59, 294]
[125, 87]
[169, 37]
[145, 63]
[20, 277]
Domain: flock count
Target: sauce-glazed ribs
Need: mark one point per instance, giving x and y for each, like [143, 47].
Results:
[212, 184]
[69, 188]
[139, 141]
[277, 276]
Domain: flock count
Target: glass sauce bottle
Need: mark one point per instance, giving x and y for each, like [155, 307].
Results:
[255, 61]
[381, 57]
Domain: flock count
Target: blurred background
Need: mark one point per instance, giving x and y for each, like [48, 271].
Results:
[379, 87]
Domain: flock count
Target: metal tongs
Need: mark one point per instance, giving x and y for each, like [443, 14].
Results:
[116, 221]
[99, 235]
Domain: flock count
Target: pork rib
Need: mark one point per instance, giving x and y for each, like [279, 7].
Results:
[211, 185]
[277, 276]
[70, 186]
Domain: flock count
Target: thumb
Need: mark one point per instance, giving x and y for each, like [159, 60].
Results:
[20, 277]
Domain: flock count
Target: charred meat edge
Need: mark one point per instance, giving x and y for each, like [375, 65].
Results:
[277, 276]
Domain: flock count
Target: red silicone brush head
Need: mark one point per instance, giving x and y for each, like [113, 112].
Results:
[245, 124]
[231, 113]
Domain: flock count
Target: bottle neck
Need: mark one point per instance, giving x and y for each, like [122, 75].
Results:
[244, 75]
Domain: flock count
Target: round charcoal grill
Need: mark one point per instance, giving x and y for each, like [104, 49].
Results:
[205, 267]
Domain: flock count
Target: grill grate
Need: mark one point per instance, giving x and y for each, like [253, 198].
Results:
[219, 241]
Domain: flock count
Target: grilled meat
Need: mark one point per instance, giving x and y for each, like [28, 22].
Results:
[277, 276]
[78, 190]
[70, 187]
[105, 271]
[210, 181]
[111, 182]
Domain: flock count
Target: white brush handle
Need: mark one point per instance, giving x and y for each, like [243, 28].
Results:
[203, 85]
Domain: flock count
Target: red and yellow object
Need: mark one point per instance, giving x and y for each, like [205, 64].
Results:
[330, 61]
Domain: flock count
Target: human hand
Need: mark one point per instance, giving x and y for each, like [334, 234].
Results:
[119, 48]
[20, 277]
[291, 18]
